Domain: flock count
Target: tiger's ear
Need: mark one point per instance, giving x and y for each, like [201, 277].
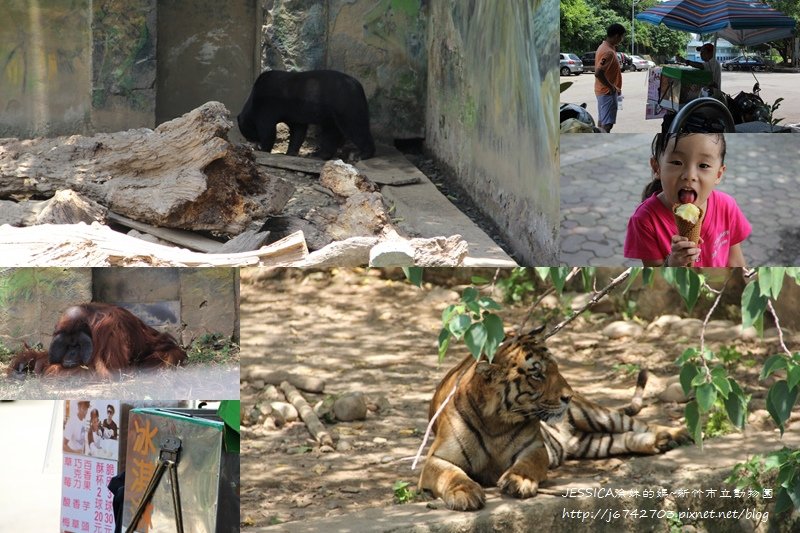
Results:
[485, 369]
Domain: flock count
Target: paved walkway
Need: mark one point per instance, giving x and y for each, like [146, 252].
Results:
[599, 193]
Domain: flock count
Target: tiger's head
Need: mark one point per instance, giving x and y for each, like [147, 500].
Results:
[525, 381]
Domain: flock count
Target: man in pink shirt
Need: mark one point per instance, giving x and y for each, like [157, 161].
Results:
[608, 77]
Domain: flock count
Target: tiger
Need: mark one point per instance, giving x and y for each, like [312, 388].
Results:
[506, 426]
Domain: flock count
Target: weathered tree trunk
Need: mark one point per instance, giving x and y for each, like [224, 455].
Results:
[184, 174]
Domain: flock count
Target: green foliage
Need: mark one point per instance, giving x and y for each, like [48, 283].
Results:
[786, 461]
[717, 396]
[473, 321]
[687, 281]
[718, 423]
[403, 494]
[517, 286]
[213, 348]
[413, 275]
[772, 108]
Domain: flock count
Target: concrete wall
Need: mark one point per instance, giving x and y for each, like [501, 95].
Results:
[491, 113]
[45, 67]
[380, 43]
[76, 66]
[206, 51]
[186, 302]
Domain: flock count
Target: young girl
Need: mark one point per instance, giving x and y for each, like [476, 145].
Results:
[686, 168]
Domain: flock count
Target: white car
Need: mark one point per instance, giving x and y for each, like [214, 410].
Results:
[642, 64]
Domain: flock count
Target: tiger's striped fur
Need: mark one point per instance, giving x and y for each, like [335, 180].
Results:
[505, 426]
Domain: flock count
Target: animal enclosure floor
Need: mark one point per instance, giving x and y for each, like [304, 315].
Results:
[361, 330]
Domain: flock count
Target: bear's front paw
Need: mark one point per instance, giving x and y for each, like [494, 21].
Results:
[517, 485]
[464, 495]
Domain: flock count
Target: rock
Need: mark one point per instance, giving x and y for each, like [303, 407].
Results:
[380, 440]
[286, 410]
[687, 327]
[350, 406]
[350, 490]
[673, 393]
[271, 393]
[723, 331]
[621, 328]
[760, 420]
[326, 449]
[396, 252]
[362, 215]
[343, 179]
[663, 322]
[344, 446]
[604, 305]
[749, 334]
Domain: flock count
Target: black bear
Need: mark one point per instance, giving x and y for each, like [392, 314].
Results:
[331, 99]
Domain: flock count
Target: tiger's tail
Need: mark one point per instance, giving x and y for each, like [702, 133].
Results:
[636, 402]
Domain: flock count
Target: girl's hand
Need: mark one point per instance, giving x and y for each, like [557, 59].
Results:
[683, 253]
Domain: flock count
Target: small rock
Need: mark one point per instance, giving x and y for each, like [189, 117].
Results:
[687, 327]
[344, 446]
[344, 179]
[387, 459]
[621, 328]
[258, 384]
[350, 490]
[287, 410]
[271, 392]
[350, 406]
[604, 305]
[326, 449]
[391, 253]
[432, 505]
[673, 393]
[319, 469]
[550, 302]
[664, 322]
[749, 334]
[380, 440]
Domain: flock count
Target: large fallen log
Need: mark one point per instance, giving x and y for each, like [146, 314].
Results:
[184, 174]
[73, 245]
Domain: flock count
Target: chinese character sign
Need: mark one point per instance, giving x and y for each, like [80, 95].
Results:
[91, 449]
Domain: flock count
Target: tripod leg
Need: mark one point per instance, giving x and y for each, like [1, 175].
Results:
[176, 496]
[147, 496]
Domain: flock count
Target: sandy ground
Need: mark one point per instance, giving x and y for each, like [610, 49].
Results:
[361, 332]
[194, 381]
[29, 488]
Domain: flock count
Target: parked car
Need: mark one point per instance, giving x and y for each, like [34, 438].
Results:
[625, 62]
[640, 63]
[588, 61]
[570, 64]
[745, 63]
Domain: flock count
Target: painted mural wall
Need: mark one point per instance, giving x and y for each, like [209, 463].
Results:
[492, 99]
[76, 66]
[45, 67]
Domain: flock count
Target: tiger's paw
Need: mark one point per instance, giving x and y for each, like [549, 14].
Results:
[517, 485]
[464, 495]
[668, 438]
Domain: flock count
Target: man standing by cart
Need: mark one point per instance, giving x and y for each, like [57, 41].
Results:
[710, 64]
[608, 77]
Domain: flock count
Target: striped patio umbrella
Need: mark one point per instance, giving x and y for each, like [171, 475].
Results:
[738, 21]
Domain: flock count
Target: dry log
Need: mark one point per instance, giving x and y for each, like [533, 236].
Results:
[67, 245]
[184, 174]
[289, 162]
[245, 242]
[65, 207]
[313, 424]
[176, 236]
[276, 377]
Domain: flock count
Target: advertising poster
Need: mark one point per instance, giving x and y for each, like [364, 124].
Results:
[91, 452]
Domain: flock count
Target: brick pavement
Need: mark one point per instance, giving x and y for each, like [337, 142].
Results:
[599, 193]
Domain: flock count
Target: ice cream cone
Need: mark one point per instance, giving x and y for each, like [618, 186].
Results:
[687, 228]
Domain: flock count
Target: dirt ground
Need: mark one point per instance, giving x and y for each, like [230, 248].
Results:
[365, 331]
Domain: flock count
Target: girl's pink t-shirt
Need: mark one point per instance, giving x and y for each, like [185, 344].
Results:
[652, 226]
